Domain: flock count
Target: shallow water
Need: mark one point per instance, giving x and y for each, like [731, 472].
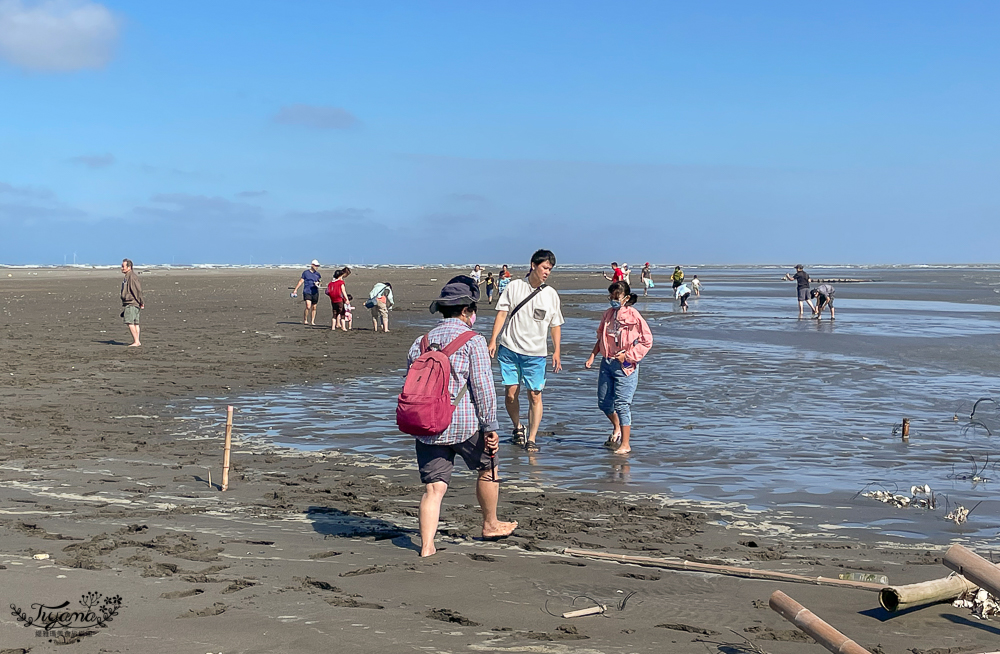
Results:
[739, 401]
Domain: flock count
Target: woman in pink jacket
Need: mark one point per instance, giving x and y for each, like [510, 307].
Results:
[623, 339]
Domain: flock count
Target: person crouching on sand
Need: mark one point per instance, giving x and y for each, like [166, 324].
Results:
[472, 433]
[823, 294]
[623, 339]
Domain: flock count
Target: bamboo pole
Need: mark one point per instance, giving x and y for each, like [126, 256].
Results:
[974, 568]
[579, 613]
[229, 444]
[897, 598]
[733, 571]
[811, 624]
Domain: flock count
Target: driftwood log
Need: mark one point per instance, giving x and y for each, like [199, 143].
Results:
[897, 598]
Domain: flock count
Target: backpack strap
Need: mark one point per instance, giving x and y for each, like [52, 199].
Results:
[425, 344]
[518, 307]
[457, 344]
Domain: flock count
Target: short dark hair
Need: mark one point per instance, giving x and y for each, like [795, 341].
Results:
[541, 256]
[345, 271]
[614, 263]
[455, 310]
[127, 262]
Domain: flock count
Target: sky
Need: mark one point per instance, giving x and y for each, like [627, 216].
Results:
[431, 132]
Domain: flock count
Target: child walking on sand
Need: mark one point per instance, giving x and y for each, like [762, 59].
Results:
[348, 316]
[623, 339]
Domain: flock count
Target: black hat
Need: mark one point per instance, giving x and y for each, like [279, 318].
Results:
[459, 291]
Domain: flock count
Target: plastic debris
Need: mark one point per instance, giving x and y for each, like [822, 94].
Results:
[959, 515]
[920, 497]
[983, 605]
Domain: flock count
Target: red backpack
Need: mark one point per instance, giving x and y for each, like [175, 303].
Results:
[425, 406]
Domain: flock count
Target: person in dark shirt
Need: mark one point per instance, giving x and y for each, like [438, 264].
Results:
[309, 283]
[801, 279]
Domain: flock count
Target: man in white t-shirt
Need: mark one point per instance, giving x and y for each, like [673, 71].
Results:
[521, 344]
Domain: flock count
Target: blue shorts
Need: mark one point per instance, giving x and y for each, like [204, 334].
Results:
[517, 369]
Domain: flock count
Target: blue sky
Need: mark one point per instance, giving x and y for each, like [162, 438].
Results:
[722, 132]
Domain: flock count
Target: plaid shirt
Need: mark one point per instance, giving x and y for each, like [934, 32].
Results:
[478, 408]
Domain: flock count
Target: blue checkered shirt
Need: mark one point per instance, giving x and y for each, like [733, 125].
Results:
[471, 364]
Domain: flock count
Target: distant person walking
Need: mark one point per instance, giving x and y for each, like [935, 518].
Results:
[626, 274]
[617, 274]
[801, 279]
[623, 339]
[696, 286]
[646, 276]
[477, 273]
[337, 290]
[309, 283]
[472, 432]
[502, 280]
[380, 301]
[526, 311]
[131, 301]
[677, 278]
[491, 287]
[823, 294]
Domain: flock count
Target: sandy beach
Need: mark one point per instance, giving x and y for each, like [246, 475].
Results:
[313, 551]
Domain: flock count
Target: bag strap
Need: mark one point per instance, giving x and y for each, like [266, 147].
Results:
[518, 307]
[456, 345]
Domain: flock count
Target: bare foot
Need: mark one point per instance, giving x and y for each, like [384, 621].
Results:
[623, 450]
[428, 550]
[499, 529]
[136, 344]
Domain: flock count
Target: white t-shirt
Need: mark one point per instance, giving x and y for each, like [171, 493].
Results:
[528, 330]
[476, 275]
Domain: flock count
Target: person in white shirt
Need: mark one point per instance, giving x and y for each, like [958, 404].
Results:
[477, 273]
[519, 342]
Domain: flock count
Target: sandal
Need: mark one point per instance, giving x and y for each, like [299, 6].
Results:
[531, 447]
[613, 440]
[518, 436]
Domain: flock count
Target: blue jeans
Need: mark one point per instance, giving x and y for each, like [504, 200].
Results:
[615, 390]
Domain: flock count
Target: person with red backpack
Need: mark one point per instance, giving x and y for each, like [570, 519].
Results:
[449, 404]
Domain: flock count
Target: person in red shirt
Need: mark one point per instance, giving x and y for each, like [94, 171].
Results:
[616, 275]
[337, 290]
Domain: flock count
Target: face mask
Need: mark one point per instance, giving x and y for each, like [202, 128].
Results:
[472, 319]
[615, 304]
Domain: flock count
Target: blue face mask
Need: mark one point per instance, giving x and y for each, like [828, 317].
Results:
[615, 304]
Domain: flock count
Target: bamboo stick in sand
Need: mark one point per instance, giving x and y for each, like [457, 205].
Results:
[229, 444]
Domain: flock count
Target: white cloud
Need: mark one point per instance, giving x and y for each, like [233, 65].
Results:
[57, 35]
[316, 117]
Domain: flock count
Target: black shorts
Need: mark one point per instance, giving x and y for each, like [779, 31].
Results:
[677, 283]
[311, 297]
[338, 308]
[823, 300]
[436, 462]
[684, 299]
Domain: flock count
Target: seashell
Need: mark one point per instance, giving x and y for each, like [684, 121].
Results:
[40, 557]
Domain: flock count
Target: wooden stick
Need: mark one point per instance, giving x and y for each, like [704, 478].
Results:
[811, 624]
[897, 598]
[974, 568]
[749, 573]
[579, 613]
[229, 444]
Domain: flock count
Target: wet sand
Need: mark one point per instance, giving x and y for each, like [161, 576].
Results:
[314, 551]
